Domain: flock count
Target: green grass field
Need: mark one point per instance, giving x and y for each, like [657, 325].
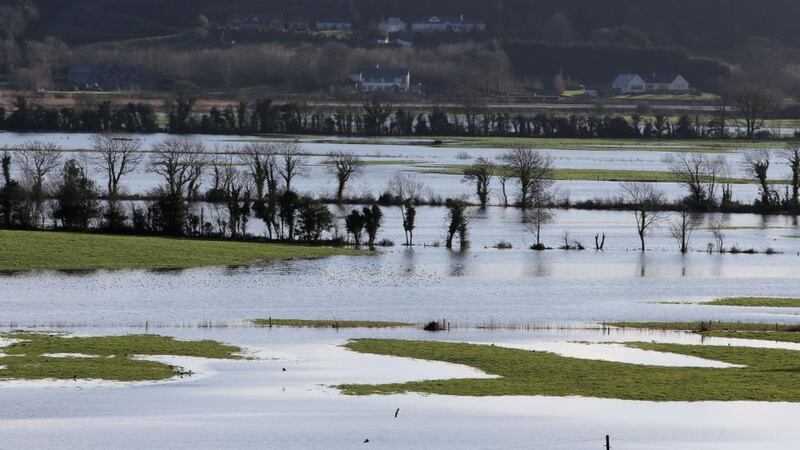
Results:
[764, 302]
[110, 356]
[297, 323]
[594, 175]
[37, 250]
[768, 375]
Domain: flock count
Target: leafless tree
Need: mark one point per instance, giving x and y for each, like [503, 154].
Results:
[646, 201]
[293, 163]
[503, 177]
[538, 215]
[343, 166]
[480, 173]
[179, 161]
[405, 187]
[791, 156]
[38, 160]
[754, 104]
[532, 170]
[717, 225]
[682, 230]
[700, 174]
[116, 156]
[757, 164]
[261, 160]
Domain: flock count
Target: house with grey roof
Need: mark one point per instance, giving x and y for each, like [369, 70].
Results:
[631, 83]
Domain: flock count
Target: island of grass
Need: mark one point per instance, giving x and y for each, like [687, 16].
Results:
[765, 375]
[732, 330]
[44, 250]
[40, 356]
[298, 323]
[761, 302]
[614, 175]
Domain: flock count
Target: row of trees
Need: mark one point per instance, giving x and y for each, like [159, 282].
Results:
[374, 118]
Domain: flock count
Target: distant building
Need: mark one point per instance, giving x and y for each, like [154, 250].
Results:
[260, 22]
[447, 24]
[393, 25]
[333, 24]
[298, 23]
[111, 77]
[631, 83]
[383, 80]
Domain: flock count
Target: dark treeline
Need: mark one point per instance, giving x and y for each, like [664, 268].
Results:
[751, 107]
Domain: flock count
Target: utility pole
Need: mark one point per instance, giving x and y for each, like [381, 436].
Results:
[608, 442]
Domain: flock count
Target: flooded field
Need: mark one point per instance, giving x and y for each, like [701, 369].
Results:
[554, 298]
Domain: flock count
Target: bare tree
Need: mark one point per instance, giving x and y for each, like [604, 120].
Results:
[179, 161]
[261, 160]
[38, 160]
[293, 163]
[754, 104]
[717, 226]
[757, 164]
[405, 187]
[503, 177]
[480, 173]
[791, 156]
[343, 166]
[532, 170]
[700, 174]
[116, 156]
[537, 216]
[682, 230]
[646, 201]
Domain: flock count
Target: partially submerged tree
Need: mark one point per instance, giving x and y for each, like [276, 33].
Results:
[700, 174]
[682, 229]
[537, 216]
[293, 163]
[343, 166]
[480, 174]
[647, 202]
[354, 224]
[262, 163]
[373, 219]
[754, 104]
[458, 219]
[791, 156]
[717, 225]
[115, 156]
[409, 213]
[757, 164]
[532, 170]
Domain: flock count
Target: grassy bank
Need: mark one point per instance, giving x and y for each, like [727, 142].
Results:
[35, 356]
[763, 302]
[768, 375]
[37, 250]
[297, 323]
[731, 330]
[650, 176]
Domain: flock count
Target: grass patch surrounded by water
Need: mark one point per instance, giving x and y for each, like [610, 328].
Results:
[42, 250]
[730, 330]
[592, 175]
[100, 358]
[765, 302]
[298, 323]
[768, 375]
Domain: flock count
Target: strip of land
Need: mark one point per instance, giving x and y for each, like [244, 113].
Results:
[297, 323]
[38, 250]
[37, 356]
[767, 375]
[731, 330]
[650, 176]
[762, 302]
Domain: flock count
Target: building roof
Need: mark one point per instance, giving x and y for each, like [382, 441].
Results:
[625, 78]
[380, 73]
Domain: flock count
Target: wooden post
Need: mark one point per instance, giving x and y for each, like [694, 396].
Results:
[608, 442]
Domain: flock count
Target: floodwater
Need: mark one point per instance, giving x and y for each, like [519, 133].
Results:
[255, 404]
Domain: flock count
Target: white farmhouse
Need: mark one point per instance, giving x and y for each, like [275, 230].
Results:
[384, 80]
[631, 83]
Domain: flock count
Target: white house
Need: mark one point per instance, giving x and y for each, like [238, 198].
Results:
[445, 24]
[384, 80]
[631, 83]
[393, 25]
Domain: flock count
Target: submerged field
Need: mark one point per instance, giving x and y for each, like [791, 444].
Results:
[32, 250]
[764, 375]
[38, 356]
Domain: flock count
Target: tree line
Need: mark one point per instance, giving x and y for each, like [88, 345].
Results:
[745, 111]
